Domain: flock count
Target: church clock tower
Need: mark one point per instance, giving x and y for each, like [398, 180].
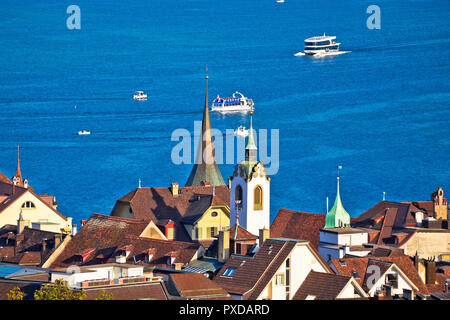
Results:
[250, 190]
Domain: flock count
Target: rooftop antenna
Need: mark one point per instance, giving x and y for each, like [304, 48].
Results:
[327, 205]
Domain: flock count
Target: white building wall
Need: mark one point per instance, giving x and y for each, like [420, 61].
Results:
[249, 219]
[302, 261]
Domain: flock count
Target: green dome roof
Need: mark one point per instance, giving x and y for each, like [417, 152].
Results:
[337, 217]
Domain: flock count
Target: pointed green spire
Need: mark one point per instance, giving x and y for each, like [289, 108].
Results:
[337, 217]
[251, 142]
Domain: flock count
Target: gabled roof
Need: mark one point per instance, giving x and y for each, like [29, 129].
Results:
[324, 286]
[151, 291]
[196, 286]
[403, 213]
[9, 193]
[107, 235]
[4, 178]
[346, 267]
[253, 273]
[198, 205]
[241, 234]
[28, 251]
[159, 204]
[298, 225]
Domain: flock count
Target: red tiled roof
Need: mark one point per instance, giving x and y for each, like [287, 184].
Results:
[153, 291]
[253, 273]
[241, 234]
[15, 192]
[197, 286]
[107, 233]
[158, 204]
[360, 266]
[324, 286]
[4, 178]
[298, 225]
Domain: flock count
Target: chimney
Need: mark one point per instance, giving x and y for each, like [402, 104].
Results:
[25, 184]
[430, 272]
[263, 235]
[43, 248]
[170, 230]
[224, 246]
[174, 188]
[74, 229]
[20, 224]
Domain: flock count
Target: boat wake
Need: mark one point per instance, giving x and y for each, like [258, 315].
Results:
[320, 55]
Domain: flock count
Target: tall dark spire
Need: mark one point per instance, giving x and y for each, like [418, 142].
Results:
[18, 173]
[205, 168]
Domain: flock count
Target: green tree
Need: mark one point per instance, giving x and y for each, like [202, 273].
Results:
[15, 294]
[105, 296]
[58, 291]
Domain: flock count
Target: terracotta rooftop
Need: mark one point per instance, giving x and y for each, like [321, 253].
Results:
[298, 225]
[253, 273]
[196, 286]
[347, 266]
[160, 205]
[10, 193]
[29, 248]
[241, 234]
[4, 178]
[324, 286]
[147, 291]
[106, 235]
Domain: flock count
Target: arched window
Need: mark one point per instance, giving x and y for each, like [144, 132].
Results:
[238, 195]
[258, 198]
[28, 205]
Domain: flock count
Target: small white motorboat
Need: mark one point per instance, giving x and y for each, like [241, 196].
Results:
[139, 95]
[280, 1]
[83, 133]
[241, 131]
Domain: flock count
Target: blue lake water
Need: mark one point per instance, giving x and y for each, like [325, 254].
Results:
[381, 111]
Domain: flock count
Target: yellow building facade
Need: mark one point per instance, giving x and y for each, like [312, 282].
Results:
[36, 213]
[208, 225]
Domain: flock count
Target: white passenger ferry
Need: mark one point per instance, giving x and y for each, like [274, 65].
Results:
[236, 103]
[321, 46]
[139, 95]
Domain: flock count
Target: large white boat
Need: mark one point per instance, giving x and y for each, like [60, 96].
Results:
[139, 95]
[321, 46]
[84, 133]
[236, 103]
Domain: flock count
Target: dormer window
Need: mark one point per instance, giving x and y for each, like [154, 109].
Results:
[28, 205]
